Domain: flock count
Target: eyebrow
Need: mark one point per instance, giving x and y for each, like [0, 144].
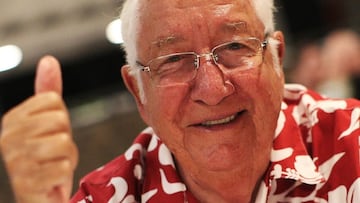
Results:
[168, 40]
[236, 27]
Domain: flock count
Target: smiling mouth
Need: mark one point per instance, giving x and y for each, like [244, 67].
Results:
[220, 121]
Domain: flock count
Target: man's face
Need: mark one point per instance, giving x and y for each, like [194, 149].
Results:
[219, 120]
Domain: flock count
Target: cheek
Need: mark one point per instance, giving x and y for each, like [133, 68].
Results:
[264, 89]
[164, 104]
[165, 111]
[263, 84]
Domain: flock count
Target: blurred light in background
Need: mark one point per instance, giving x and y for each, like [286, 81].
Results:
[113, 32]
[10, 57]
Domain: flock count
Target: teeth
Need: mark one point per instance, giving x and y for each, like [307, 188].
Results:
[220, 121]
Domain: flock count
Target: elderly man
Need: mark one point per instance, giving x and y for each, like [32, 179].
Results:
[207, 79]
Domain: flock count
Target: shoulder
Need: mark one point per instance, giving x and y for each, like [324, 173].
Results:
[307, 104]
[329, 130]
[323, 121]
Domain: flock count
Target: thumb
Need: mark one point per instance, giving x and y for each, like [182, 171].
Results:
[48, 75]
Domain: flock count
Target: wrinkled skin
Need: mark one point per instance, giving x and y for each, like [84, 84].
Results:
[236, 153]
[36, 142]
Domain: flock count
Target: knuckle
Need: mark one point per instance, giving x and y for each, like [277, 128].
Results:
[74, 155]
[64, 139]
[66, 142]
[70, 149]
[50, 100]
[65, 166]
[50, 147]
[61, 119]
[52, 96]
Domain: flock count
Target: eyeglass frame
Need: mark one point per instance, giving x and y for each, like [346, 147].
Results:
[208, 56]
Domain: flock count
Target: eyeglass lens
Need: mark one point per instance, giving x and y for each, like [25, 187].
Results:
[181, 67]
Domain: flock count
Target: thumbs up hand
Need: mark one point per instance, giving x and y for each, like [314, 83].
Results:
[36, 142]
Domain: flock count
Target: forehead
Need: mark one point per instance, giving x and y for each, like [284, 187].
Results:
[169, 21]
[177, 11]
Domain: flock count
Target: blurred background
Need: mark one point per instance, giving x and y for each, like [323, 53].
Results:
[322, 53]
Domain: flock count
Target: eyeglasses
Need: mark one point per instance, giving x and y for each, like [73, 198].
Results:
[182, 67]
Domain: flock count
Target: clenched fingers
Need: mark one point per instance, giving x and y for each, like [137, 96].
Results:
[40, 150]
[44, 177]
[36, 125]
[47, 101]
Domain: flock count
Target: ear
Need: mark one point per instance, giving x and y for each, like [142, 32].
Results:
[279, 36]
[133, 87]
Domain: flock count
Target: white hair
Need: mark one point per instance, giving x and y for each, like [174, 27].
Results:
[264, 10]
[130, 27]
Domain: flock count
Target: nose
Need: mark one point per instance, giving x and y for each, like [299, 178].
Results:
[210, 85]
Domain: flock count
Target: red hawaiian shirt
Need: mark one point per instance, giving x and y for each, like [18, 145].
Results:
[315, 158]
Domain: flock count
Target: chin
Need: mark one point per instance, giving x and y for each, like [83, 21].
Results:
[223, 158]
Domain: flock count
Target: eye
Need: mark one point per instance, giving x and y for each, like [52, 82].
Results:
[169, 64]
[173, 59]
[235, 46]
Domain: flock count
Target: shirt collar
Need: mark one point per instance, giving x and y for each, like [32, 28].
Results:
[289, 156]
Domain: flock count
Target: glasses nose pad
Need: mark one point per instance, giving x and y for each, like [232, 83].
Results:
[197, 62]
[208, 57]
[215, 57]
